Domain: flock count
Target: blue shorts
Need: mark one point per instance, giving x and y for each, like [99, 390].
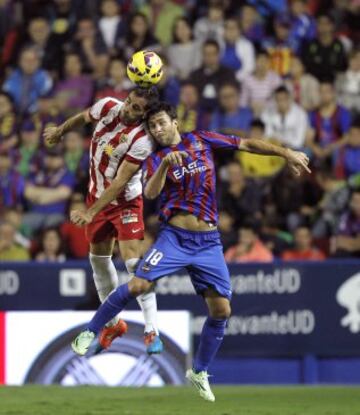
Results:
[200, 253]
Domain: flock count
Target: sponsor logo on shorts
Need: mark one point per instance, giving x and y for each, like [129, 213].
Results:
[135, 230]
[145, 268]
[129, 217]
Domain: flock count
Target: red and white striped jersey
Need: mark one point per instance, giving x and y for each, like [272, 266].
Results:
[111, 143]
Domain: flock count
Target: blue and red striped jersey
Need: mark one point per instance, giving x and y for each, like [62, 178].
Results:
[191, 187]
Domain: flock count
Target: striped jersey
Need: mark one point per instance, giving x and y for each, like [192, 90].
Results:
[111, 143]
[192, 186]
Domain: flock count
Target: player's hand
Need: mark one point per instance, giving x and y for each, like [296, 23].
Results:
[81, 218]
[298, 162]
[52, 135]
[175, 158]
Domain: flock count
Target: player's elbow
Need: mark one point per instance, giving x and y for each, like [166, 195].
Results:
[150, 193]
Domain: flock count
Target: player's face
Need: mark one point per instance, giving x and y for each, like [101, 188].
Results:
[163, 128]
[133, 109]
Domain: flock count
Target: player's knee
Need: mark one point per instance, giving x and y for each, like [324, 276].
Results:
[221, 311]
[138, 286]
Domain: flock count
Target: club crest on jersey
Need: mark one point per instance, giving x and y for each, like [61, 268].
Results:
[198, 145]
[123, 138]
[192, 168]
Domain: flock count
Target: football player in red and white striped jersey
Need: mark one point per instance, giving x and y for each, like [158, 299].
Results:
[119, 145]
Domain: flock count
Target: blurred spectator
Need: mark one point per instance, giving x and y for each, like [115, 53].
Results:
[51, 249]
[251, 25]
[238, 196]
[48, 47]
[168, 86]
[48, 114]
[230, 118]
[269, 8]
[74, 92]
[184, 54]
[329, 122]
[73, 236]
[348, 84]
[258, 87]
[324, 56]
[12, 184]
[348, 162]
[28, 156]
[90, 46]
[161, 15]
[116, 84]
[335, 196]
[188, 113]
[211, 26]
[227, 230]
[249, 247]
[48, 191]
[9, 249]
[111, 25]
[256, 165]
[22, 233]
[347, 240]
[303, 86]
[280, 47]
[303, 249]
[8, 135]
[286, 122]
[238, 52]
[27, 82]
[76, 157]
[138, 36]
[210, 76]
[303, 27]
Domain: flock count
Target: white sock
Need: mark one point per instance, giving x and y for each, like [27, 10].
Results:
[147, 301]
[105, 278]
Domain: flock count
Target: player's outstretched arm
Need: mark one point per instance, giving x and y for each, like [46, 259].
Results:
[297, 160]
[124, 174]
[157, 181]
[53, 135]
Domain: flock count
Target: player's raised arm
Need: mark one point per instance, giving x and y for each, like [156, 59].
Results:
[53, 135]
[157, 181]
[297, 160]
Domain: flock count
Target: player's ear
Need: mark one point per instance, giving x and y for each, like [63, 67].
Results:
[175, 123]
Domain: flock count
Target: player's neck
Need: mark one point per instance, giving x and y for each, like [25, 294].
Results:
[176, 140]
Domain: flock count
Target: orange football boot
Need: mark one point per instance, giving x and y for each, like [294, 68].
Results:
[108, 334]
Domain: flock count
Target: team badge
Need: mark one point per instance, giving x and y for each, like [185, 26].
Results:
[198, 145]
[123, 138]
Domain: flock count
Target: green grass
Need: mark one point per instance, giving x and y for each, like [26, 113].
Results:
[230, 400]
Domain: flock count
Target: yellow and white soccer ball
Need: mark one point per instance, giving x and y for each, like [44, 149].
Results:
[144, 68]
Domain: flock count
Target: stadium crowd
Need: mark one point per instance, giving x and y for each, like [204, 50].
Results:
[285, 71]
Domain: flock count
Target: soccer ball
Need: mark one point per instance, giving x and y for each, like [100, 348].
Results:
[144, 68]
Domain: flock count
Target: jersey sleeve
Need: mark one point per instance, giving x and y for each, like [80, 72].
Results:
[149, 167]
[102, 108]
[218, 141]
[140, 150]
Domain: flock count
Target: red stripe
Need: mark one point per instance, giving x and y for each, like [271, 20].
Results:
[2, 347]
[133, 160]
[106, 108]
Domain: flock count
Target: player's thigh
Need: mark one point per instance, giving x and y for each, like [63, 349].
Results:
[102, 248]
[209, 271]
[162, 258]
[129, 249]
[218, 306]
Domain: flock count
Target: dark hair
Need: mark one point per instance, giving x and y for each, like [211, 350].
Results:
[326, 16]
[161, 106]
[257, 123]
[150, 94]
[211, 42]
[328, 79]
[356, 122]
[281, 90]
[261, 52]
[183, 19]
[231, 84]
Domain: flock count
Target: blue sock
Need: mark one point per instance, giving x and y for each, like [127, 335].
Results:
[210, 340]
[115, 303]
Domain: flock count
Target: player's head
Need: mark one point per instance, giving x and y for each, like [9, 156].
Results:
[161, 121]
[137, 103]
